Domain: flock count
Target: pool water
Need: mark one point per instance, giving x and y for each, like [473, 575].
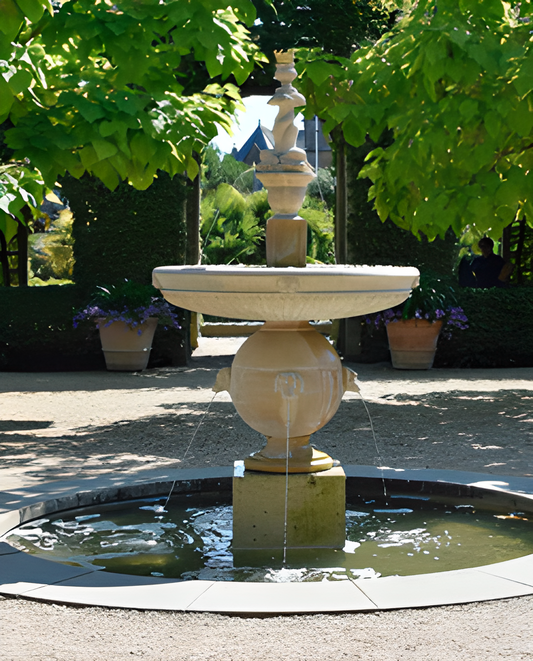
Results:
[190, 538]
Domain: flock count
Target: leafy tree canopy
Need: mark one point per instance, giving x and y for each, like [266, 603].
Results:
[452, 83]
[225, 169]
[333, 26]
[115, 88]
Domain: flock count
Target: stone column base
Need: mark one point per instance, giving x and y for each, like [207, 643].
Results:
[315, 513]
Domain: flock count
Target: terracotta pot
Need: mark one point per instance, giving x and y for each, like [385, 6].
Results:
[413, 343]
[124, 349]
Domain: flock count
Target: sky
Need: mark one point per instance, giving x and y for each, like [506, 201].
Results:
[257, 108]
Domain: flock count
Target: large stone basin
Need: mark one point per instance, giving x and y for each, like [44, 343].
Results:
[285, 294]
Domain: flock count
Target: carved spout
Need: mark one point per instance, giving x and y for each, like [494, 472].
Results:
[349, 380]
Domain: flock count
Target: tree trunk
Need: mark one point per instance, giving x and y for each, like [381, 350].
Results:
[192, 214]
[340, 200]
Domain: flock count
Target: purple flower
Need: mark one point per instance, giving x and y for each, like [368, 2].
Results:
[452, 317]
[134, 317]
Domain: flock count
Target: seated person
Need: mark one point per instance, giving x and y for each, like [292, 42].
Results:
[490, 269]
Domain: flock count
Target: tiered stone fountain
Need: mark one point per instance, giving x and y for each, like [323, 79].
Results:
[286, 380]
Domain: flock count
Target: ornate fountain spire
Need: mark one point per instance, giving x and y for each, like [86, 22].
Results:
[285, 173]
[285, 156]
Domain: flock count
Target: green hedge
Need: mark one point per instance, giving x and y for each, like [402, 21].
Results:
[36, 333]
[125, 233]
[117, 235]
[499, 334]
[372, 242]
[500, 330]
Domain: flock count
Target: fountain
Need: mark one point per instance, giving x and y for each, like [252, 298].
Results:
[286, 380]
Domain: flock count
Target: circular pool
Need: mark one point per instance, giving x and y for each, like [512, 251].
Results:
[270, 588]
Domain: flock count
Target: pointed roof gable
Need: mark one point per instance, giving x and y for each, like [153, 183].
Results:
[261, 138]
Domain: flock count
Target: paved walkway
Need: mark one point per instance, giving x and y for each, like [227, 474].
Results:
[81, 425]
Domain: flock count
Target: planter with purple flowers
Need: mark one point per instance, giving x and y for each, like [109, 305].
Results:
[126, 349]
[413, 329]
[127, 316]
[413, 343]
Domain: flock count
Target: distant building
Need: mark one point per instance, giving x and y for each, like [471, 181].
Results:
[261, 138]
[309, 138]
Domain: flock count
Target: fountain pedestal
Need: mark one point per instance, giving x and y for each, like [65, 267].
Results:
[315, 517]
[286, 381]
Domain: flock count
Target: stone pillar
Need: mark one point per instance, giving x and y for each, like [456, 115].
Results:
[316, 510]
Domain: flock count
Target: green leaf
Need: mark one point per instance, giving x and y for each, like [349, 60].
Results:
[506, 213]
[106, 173]
[521, 119]
[468, 109]
[483, 57]
[115, 126]
[139, 176]
[8, 226]
[12, 18]
[319, 71]
[509, 194]
[523, 82]
[88, 157]
[88, 110]
[33, 9]
[129, 104]
[459, 35]
[434, 51]
[143, 147]
[480, 209]
[430, 88]
[73, 164]
[454, 68]
[6, 98]
[20, 81]
[354, 131]
[120, 163]
[382, 208]
[434, 71]
[493, 123]
[104, 149]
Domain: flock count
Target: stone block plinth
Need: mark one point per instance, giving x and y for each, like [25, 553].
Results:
[315, 513]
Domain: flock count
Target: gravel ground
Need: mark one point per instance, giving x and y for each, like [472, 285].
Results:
[60, 425]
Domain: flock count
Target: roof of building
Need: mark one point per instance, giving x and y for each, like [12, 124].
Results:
[261, 138]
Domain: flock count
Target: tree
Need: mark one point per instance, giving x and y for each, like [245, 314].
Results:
[116, 88]
[333, 26]
[233, 226]
[452, 84]
[225, 169]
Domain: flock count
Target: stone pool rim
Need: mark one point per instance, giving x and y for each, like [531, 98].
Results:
[25, 576]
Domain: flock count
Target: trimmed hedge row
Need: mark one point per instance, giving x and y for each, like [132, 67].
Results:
[499, 335]
[120, 234]
[36, 333]
[125, 233]
[500, 330]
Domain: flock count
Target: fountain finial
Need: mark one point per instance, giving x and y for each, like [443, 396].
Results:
[285, 173]
[286, 156]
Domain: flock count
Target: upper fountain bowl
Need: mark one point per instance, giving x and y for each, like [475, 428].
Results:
[285, 294]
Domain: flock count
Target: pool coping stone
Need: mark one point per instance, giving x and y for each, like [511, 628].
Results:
[23, 575]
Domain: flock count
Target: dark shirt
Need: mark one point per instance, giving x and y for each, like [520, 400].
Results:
[466, 275]
[487, 270]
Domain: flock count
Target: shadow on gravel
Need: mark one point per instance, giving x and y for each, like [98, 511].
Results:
[24, 425]
[489, 432]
